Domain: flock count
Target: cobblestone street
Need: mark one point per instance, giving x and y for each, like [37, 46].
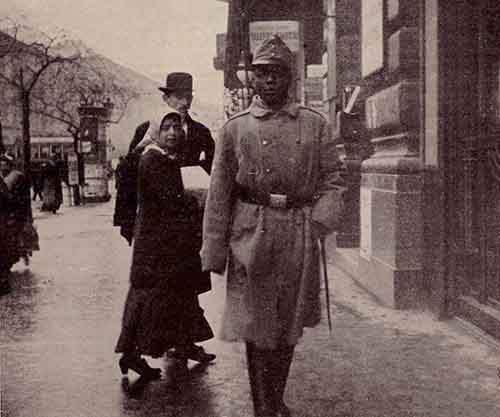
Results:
[61, 321]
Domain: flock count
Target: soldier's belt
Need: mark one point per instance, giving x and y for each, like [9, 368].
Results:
[274, 200]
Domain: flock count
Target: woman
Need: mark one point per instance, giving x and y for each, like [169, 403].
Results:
[166, 274]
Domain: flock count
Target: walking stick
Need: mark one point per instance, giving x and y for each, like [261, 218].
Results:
[322, 248]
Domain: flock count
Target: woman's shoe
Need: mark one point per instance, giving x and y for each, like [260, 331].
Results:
[138, 365]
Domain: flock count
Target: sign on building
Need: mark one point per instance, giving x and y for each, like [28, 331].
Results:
[372, 36]
[287, 30]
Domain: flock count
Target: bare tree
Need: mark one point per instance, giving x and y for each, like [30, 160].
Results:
[85, 82]
[65, 88]
[28, 57]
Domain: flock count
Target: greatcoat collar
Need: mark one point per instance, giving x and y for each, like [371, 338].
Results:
[259, 109]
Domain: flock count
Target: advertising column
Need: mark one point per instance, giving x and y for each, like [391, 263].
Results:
[93, 150]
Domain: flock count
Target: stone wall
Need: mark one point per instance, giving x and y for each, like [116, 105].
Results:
[391, 247]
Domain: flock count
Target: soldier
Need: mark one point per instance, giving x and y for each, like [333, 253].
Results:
[275, 189]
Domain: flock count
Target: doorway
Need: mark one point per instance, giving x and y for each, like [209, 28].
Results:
[471, 136]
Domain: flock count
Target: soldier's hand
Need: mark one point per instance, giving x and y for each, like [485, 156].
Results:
[319, 231]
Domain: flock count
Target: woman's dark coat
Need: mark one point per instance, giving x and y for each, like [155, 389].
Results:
[167, 233]
[199, 141]
[162, 307]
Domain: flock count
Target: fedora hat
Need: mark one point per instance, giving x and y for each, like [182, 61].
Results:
[178, 81]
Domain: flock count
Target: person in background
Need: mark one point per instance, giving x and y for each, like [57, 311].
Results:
[52, 185]
[14, 214]
[197, 150]
[161, 310]
[37, 180]
[275, 190]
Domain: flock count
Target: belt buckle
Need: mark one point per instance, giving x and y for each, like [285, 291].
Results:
[277, 200]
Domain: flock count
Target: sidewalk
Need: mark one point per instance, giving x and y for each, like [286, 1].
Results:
[380, 362]
[377, 362]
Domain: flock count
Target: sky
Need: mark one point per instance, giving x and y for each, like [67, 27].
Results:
[153, 37]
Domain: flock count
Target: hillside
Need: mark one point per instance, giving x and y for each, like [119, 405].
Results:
[147, 105]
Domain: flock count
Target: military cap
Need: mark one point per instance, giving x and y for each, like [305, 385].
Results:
[273, 51]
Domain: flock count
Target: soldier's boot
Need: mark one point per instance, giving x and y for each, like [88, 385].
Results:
[258, 375]
[280, 361]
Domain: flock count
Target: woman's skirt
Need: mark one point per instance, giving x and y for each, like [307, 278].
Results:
[156, 319]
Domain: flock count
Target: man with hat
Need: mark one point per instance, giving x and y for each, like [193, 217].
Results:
[275, 189]
[197, 150]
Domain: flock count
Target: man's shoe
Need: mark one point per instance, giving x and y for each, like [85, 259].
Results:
[195, 353]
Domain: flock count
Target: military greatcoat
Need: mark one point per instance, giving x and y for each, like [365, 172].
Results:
[271, 254]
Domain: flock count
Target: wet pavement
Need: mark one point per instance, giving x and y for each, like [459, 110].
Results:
[61, 321]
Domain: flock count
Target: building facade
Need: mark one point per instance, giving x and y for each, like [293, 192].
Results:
[424, 167]
[429, 72]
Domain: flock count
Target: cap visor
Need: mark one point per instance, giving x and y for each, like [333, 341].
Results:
[270, 61]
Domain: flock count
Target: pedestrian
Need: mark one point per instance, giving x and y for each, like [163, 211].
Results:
[37, 180]
[52, 185]
[14, 214]
[161, 309]
[196, 150]
[275, 189]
